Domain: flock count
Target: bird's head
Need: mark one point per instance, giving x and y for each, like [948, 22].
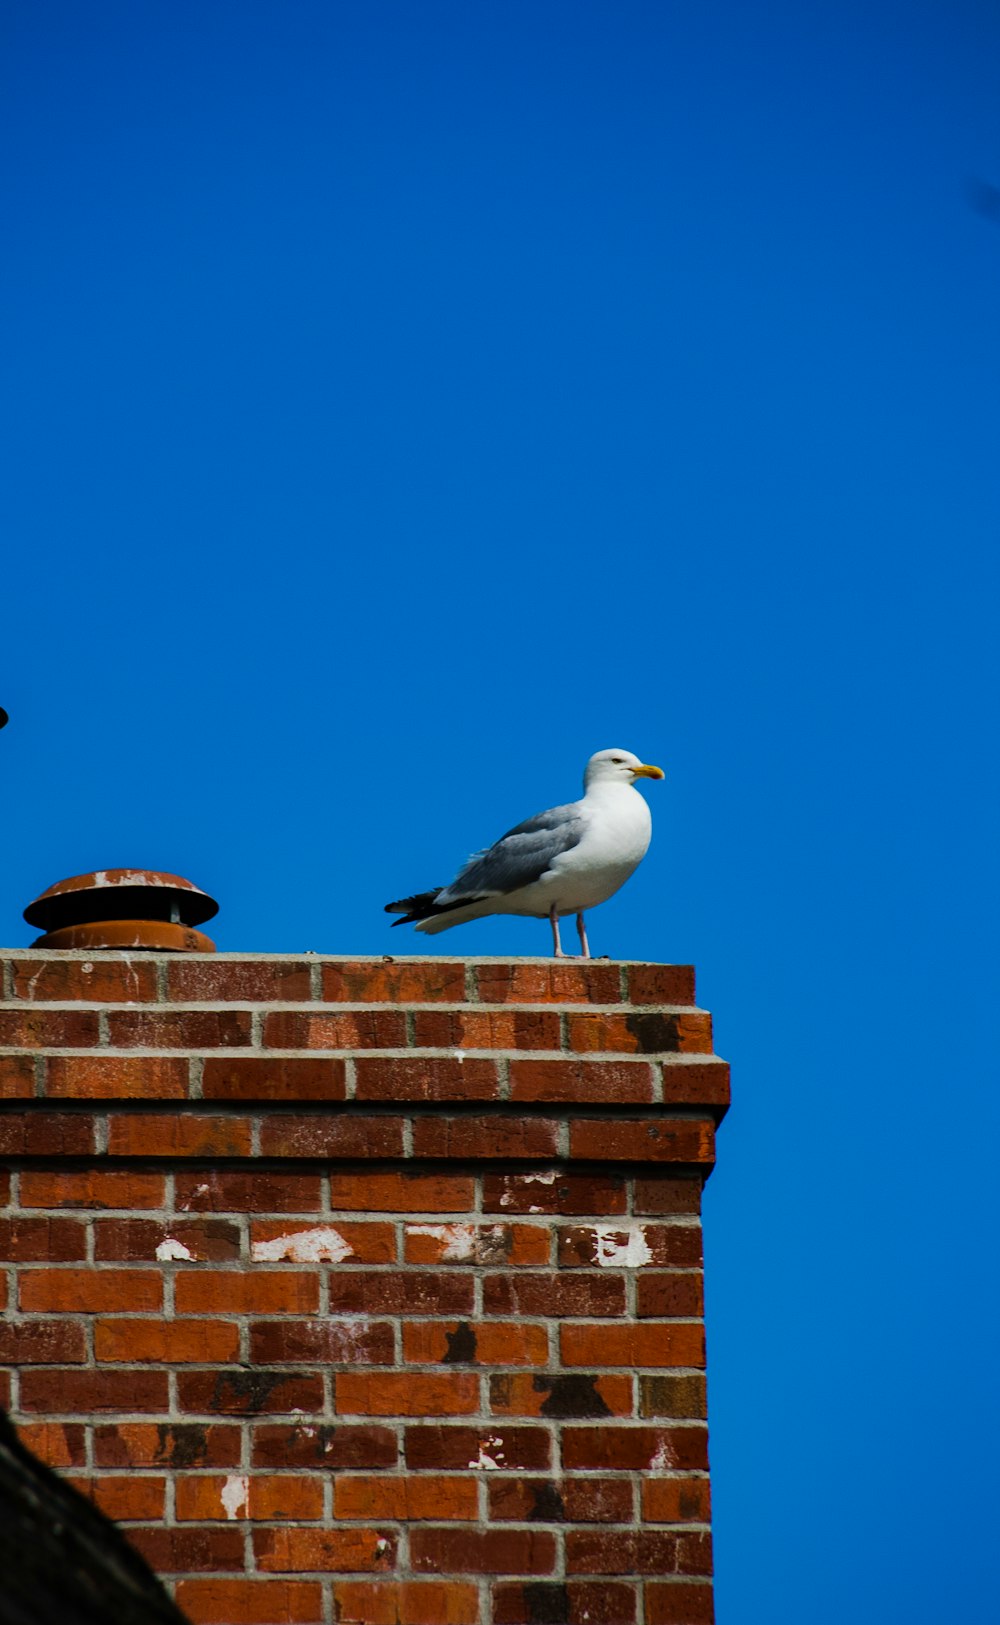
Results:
[618, 767]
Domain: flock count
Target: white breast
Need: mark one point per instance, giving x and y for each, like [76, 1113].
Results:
[614, 843]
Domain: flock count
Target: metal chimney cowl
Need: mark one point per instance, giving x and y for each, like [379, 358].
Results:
[123, 908]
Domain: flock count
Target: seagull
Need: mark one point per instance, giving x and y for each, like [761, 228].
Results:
[560, 862]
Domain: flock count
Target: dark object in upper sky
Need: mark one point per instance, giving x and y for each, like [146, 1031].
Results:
[4, 718]
[63, 1561]
[985, 199]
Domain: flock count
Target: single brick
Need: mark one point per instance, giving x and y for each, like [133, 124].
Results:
[678, 1139]
[672, 1396]
[670, 1294]
[638, 1551]
[46, 1134]
[471, 1137]
[336, 1448]
[676, 1500]
[17, 1077]
[505, 1030]
[358, 982]
[192, 1550]
[679, 1603]
[276, 1240]
[674, 1246]
[574, 1602]
[388, 1077]
[165, 1342]
[674, 1343]
[453, 1393]
[78, 1393]
[338, 1551]
[202, 1240]
[188, 1134]
[64, 980]
[695, 1083]
[174, 1445]
[261, 1292]
[320, 1137]
[100, 1076]
[58, 1444]
[661, 1193]
[647, 1032]
[401, 1193]
[595, 1081]
[48, 1029]
[201, 1497]
[125, 1498]
[554, 1191]
[566, 1500]
[550, 1294]
[250, 1602]
[178, 1029]
[273, 1077]
[92, 1189]
[489, 1447]
[335, 1029]
[403, 1499]
[406, 1602]
[217, 980]
[326, 1342]
[42, 1342]
[548, 983]
[482, 1551]
[635, 1449]
[569, 1394]
[417, 1292]
[88, 1291]
[487, 1343]
[458, 1243]
[214, 1191]
[238, 1392]
[661, 984]
[54, 1241]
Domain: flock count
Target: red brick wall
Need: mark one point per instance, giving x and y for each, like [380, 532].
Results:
[367, 1290]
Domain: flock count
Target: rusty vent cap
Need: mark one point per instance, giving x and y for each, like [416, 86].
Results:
[120, 894]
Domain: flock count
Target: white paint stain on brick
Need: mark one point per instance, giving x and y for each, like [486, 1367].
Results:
[489, 1463]
[171, 1248]
[663, 1458]
[235, 1494]
[322, 1245]
[539, 1179]
[459, 1239]
[630, 1253]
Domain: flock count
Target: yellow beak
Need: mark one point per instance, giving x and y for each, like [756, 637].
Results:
[645, 771]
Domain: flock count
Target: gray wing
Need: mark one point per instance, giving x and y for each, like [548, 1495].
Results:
[520, 857]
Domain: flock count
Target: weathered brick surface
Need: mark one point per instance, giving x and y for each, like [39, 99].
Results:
[364, 1290]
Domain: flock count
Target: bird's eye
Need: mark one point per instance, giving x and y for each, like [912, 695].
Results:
[618, 759]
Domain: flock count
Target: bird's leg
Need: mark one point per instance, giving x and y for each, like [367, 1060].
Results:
[582, 929]
[556, 944]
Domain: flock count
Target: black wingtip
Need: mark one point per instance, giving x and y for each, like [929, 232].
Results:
[414, 908]
[423, 906]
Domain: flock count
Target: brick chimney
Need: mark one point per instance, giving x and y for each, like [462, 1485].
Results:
[367, 1290]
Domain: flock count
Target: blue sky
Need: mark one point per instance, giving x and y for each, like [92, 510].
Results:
[403, 402]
